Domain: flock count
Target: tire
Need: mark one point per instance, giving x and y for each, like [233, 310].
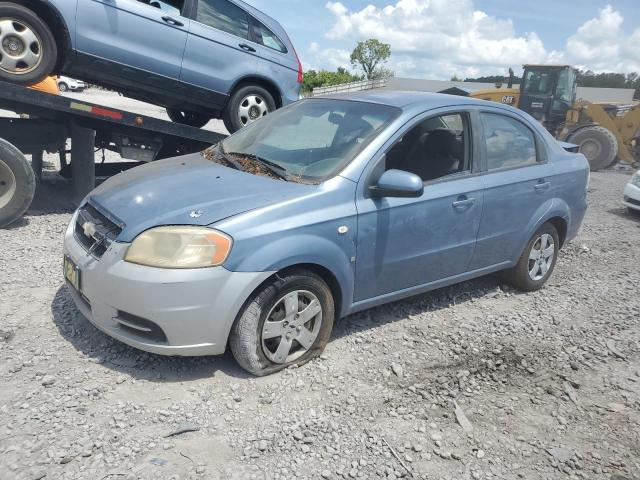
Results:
[17, 184]
[63, 87]
[247, 104]
[33, 41]
[521, 275]
[598, 144]
[192, 119]
[633, 212]
[263, 342]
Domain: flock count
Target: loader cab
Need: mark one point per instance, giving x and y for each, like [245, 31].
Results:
[547, 93]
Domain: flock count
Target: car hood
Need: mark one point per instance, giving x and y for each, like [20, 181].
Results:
[187, 190]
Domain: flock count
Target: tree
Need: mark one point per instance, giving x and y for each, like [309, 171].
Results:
[324, 78]
[370, 55]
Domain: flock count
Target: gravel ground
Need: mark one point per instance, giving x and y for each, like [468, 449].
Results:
[476, 381]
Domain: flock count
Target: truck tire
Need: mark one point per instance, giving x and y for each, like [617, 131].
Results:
[28, 50]
[598, 144]
[17, 184]
[193, 119]
[247, 104]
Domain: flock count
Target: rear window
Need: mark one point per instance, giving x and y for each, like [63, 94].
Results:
[266, 37]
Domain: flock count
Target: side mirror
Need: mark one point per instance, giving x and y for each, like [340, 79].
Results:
[397, 183]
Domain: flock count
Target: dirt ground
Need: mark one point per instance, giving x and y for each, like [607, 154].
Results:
[475, 381]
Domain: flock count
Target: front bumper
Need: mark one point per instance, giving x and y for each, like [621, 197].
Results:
[164, 311]
[631, 197]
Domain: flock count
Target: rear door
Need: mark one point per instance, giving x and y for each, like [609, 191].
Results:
[145, 39]
[518, 182]
[218, 50]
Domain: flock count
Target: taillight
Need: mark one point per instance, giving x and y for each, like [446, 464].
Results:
[300, 73]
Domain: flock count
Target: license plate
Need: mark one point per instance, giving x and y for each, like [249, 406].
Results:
[72, 273]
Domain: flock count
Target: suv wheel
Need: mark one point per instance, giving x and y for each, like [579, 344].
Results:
[287, 322]
[192, 119]
[537, 261]
[28, 51]
[63, 87]
[247, 104]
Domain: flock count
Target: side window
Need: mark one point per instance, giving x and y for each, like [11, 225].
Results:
[172, 7]
[509, 142]
[225, 16]
[266, 37]
[437, 147]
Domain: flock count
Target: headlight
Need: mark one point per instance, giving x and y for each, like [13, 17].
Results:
[180, 247]
[635, 180]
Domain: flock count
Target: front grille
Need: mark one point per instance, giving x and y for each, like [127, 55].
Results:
[140, 327]
[94, 231]
[632, 201]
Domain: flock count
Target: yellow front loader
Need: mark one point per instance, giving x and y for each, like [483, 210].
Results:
[605, 133]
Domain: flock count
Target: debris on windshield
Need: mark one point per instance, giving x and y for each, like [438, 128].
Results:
[246, 163]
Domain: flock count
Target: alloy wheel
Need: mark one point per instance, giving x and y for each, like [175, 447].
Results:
[7, 184]
[20, 47]
[252, 107]
[291, 327]
[541, 257]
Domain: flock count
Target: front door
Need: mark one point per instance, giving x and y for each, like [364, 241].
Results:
[407, 242]
[142, 39]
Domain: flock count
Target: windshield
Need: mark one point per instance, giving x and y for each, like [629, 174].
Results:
[539, 82]
[311, 140]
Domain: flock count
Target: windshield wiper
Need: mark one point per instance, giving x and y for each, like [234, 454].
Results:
[219, 154]
[269, 165]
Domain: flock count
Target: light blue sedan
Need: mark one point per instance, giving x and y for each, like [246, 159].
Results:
[327, 207]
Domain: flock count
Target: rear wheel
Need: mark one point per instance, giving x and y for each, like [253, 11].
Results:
[192, 119]
[537, 260]
[28, 51]
[287, 322]
[247, 104]
[598, 144]
[17, 184]
[63, 87]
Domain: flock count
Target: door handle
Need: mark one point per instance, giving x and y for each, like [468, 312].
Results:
[463, 202]
[542, 186]
[247, 48]
[173, 21]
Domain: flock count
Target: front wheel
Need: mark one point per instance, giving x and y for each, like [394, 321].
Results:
[287, 322]
[192, 119]
[247, 104]
[63, 87]
[28, 51]
[537, 260]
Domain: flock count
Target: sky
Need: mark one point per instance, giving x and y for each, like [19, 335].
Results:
[437, 39]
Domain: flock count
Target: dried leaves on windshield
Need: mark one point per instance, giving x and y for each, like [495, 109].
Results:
[246, 164]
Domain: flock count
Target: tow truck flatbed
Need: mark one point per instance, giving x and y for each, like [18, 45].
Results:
[46, 123]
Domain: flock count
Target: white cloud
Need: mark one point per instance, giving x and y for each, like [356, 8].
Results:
[600, 44]
[440, 38]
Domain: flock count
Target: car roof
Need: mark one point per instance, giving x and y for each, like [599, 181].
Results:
[407, 100]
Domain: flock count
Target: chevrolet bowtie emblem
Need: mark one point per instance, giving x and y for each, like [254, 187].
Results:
[89, 229]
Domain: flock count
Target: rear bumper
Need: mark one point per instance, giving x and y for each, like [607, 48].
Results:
[631, 198]
[163, 311]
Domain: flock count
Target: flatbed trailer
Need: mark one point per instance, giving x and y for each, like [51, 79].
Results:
[46, 122]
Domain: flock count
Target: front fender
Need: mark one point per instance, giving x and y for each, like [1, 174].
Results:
[302, 249]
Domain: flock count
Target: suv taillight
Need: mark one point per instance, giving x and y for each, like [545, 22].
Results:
[300, 73]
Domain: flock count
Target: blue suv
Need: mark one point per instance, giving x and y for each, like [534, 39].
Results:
[200, 59]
